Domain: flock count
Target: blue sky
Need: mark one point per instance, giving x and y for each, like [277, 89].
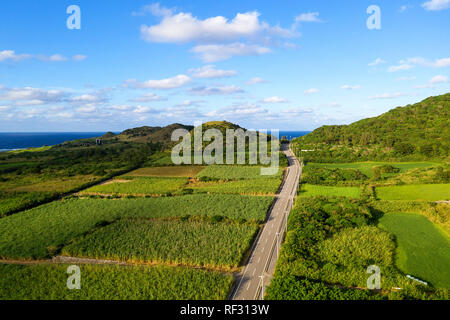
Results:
[288, 65]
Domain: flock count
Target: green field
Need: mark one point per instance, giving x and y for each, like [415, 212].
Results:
[138, 186]
[423, 251]
[39, 232]
[366, 167]
[48, 282]
[267, 186]
[310, 190]
[426, 192]
[230, 172]
[196, 243]
[170, 171]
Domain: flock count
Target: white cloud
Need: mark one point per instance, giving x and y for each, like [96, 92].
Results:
[439, 79]
[376, 62]
[350, 87]
[4, 108]
[274, 99]
[11, 55]
[388, 95]
[218, 52]
[436, 5]
[420, 61]
[238, 112]
[209, 71]
[183, 27]
[79, 57]
[88, 98]
[401, 67]
[169, 83]
[86, 109]
[308, 17]
[148, 98]
[221, 90]
[32, 94]
[122, 107]
[310, 91]
[256, 80]
[154, 9]
[142, 109]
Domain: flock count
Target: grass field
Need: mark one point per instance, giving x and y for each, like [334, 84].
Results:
[138, 186]
[235, 172]
[39, 232]
[426, 192]
[196, 243]
[170, 171]
[366, 167]
[48, 282]
[423, 251]
[267, 186]
[309, 190]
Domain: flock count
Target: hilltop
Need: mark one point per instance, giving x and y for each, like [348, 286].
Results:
[418, 131]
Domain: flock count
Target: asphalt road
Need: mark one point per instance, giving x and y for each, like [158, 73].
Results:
[264, 253]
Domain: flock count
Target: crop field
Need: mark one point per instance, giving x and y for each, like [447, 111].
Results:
[267, 186]
[235, 172]
[366, 167]
[425, 192]
[41, 231]
[196, 243]
[102, 282]
[310, 190]
[138, 185]
[423, 251]
[170, 171]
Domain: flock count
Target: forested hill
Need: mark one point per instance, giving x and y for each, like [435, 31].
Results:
[419, 131]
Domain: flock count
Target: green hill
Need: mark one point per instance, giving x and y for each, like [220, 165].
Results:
[418, 131]
[151, 134]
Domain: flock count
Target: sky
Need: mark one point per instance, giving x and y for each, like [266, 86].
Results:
[287, 65]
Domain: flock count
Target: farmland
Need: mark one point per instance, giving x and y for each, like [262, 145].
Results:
[102, 282]
[423, 251]
[267, 186]
[235, 172]
[40, 232]
[309, 190]
[424, 192]
[124, 185]
[171, 171]
[197, 243]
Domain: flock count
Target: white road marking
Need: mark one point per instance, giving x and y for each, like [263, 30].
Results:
[253, 272]
[248, 285]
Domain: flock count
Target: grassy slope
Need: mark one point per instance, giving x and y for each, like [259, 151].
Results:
[423, 251]
[427, 192]
[310, 190]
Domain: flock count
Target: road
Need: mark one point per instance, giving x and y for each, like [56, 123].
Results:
[260, 265]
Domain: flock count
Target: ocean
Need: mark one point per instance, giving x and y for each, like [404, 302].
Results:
[23, 140]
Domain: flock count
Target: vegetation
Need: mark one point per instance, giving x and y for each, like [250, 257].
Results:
[261, 186]
[42, 231]
[321, 255]
[171, 171]
[419, 131]
[309, 190]
[138, 186]
[427, 192]
[423, 251]
[102, 282]
[198, 243]
[234, 172]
